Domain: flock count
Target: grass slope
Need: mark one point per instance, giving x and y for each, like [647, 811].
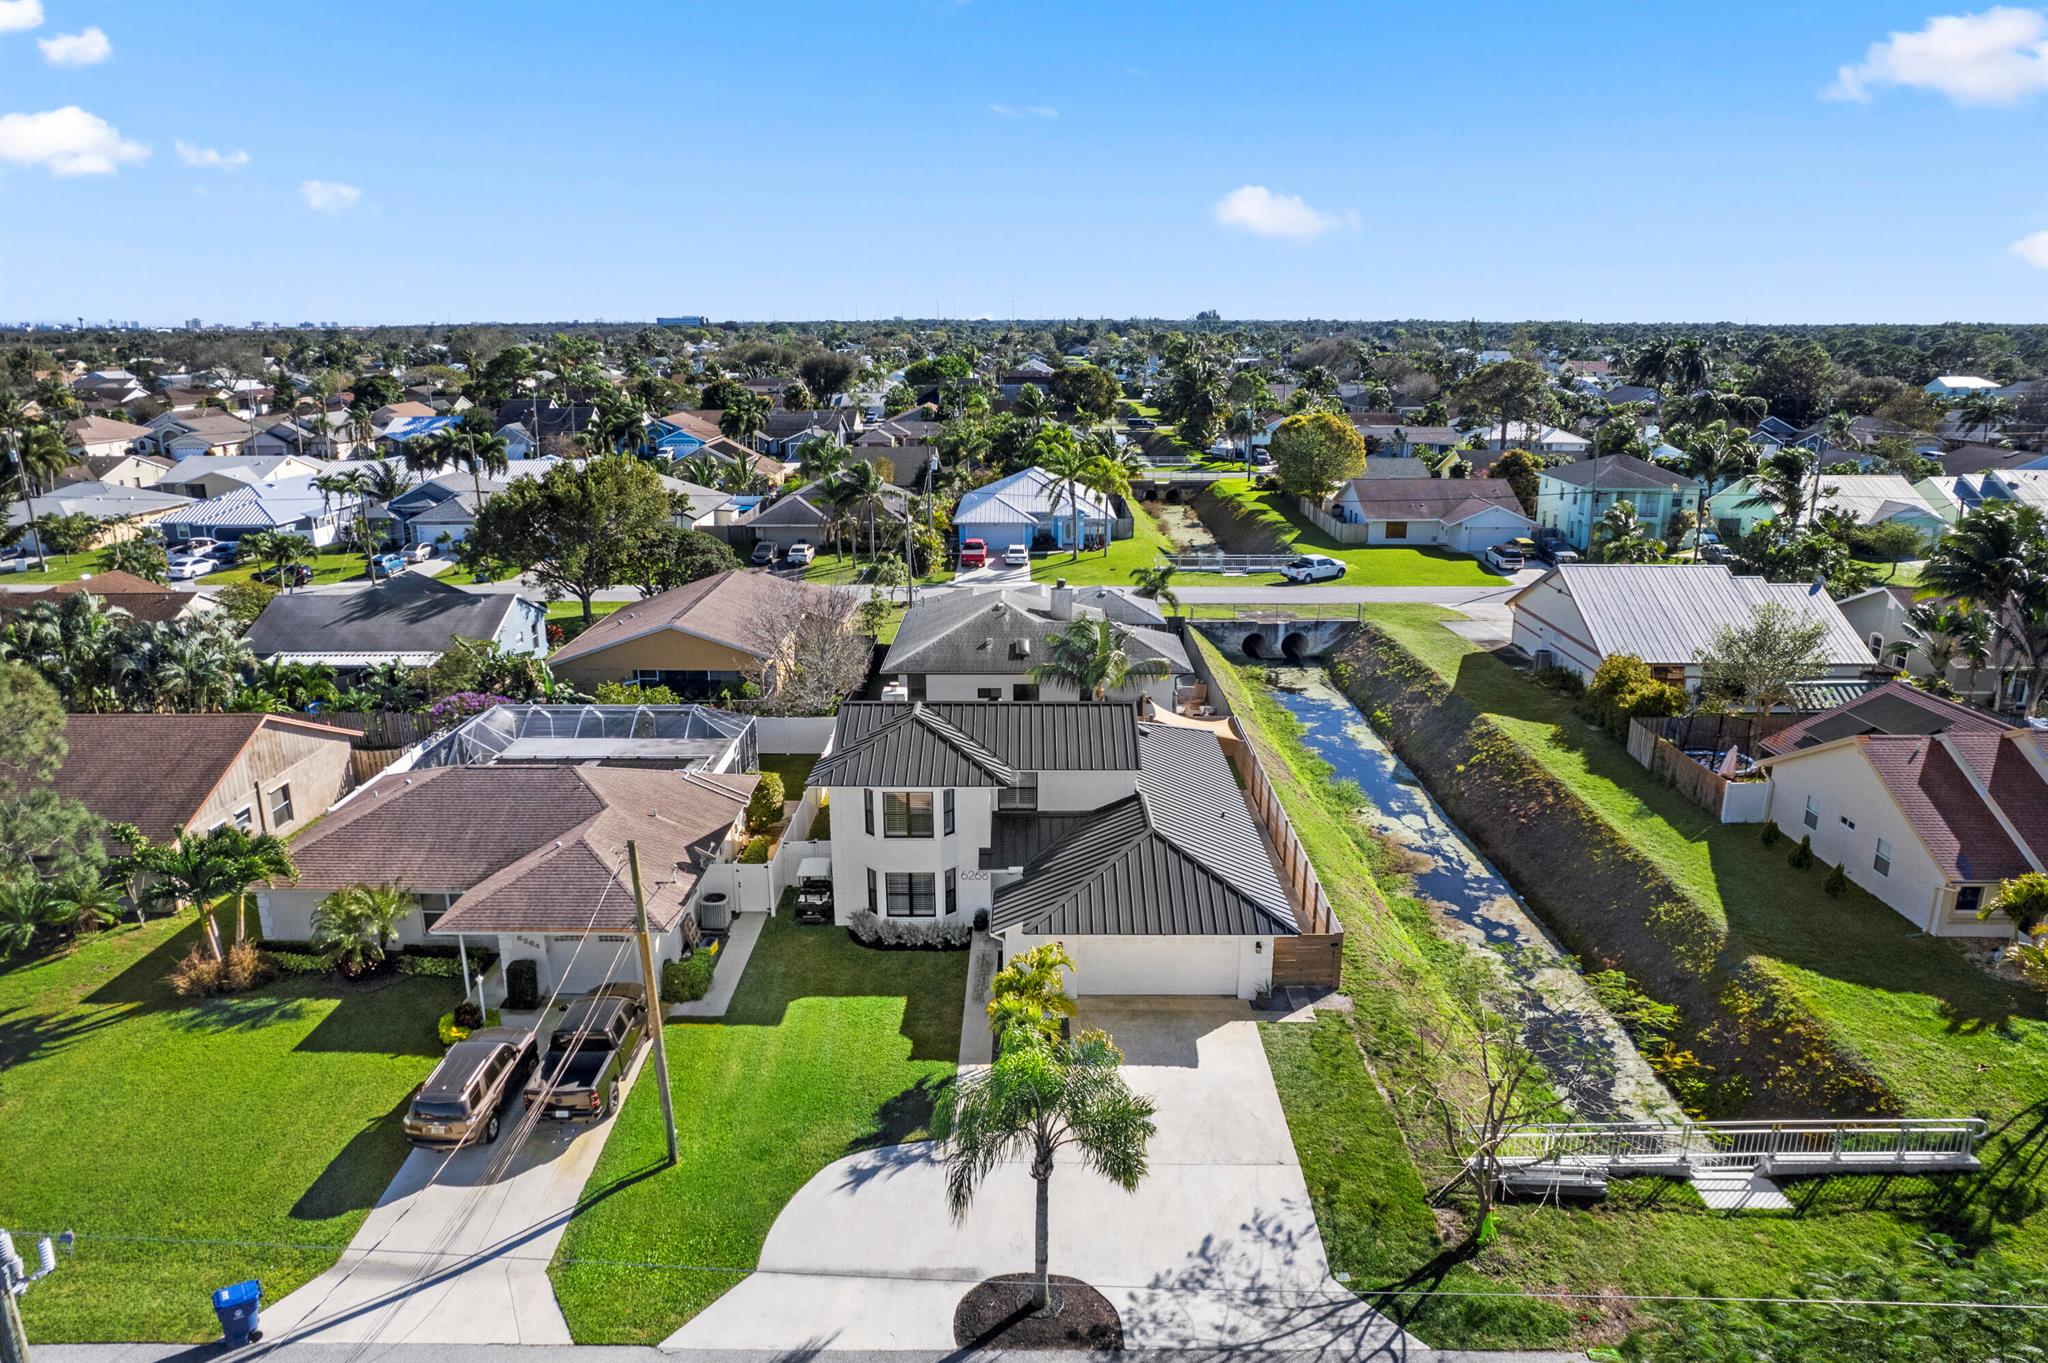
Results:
[153, 1127]
[829, 1048]
[1247, 520]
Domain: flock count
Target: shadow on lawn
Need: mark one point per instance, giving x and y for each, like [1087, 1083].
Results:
[355, 1179]
[144, 982]
[903, 1117]
[26, 1036]
[794, 962]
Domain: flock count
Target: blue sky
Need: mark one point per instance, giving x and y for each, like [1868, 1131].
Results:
[442, 162]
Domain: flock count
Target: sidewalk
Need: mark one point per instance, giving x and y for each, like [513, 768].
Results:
[732, 963]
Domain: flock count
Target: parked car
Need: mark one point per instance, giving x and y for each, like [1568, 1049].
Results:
[468, 1092]
[198, 544]
[1313, 568]
[764, 554]
[290, 575]
[1715, 553]
[1017, 556]
[17, 558]
[388, 565]
[418, 553]
[973, 554]
[1503, 558]
[1139, 423]
[799, 554]
[226, 554]
[185, 567]
[583, 1073]
[1557, 553]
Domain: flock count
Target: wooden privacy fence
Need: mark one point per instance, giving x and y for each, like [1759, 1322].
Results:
[1316, 955]
[379, 728]
[1668, 759]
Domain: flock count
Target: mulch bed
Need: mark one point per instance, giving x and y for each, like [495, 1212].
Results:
[997, 1314]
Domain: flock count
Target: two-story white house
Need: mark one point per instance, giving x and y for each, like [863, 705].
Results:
[1129, 843]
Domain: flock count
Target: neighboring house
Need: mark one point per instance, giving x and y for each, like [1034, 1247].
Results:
[392, 440]
[122, 511]
[309, 434]
[398, 411]
[1031, 507]
[1465, 514]
[526, 859]
[1959, 386]
[705, 634]
[1871, 498]
[806, 514]
[99, 435]
[788, 432]
[292, 507]
[549, 428]
[1926, 804]
[1127, 843]
[1865, 432]
[681, 434]
[169, 774]
[182, 435]
[206, 476]
[1976, 458]
[1667, 614]
[1879, 615]
[410, 618]
[1408, 442]
[1631, 393]
[144, 600]
[968, 645]
[1572, 498]
[118, 470]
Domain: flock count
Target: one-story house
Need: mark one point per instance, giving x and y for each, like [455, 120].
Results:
[292, 507]
[1032, 508]
[203, 476]
[1869, 498]
[695, 638]
[1880, 616]
[806, 514]
[100, 435]
[143, 600]
[1465, 514]
[1666, 614]
[409, 618]
[168, 774]
[1129, 844]
[120, 510]
[968, 645]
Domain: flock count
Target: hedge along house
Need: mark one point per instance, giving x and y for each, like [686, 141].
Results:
[1128, 843]
[527, 860]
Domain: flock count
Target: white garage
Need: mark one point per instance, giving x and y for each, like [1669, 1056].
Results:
[1163, 965]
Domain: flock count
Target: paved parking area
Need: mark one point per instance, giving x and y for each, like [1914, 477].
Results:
[1217, 1248]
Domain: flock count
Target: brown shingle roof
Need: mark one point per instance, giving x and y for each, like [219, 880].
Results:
[97, 430]
[1938, 799]
[1894, 708]
[155, 771]
[725, 608]
[1433, 499]
[141, 598]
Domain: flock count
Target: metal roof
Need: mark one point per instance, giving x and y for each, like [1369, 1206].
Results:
[1668, 613]
[1026, 495]
[975, 743]
[973, 632]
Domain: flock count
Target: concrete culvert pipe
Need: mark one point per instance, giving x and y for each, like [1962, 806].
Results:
[1255, 645]
[1295, 646]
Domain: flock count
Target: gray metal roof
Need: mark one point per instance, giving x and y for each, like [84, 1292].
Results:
[1668, 613]
[1004, 632]
[407, 614]
[975, 743]
[1617, 473]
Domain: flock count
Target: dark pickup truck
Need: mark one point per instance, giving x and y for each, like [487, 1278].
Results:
[589, 1052]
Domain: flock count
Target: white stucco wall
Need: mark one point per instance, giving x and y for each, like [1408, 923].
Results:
[1240, 967]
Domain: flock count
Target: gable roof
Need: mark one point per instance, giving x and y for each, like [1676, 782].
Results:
[1941, 802]
[1893, 708]
[806, 508]
[1617, 473]
[156, 771]
[144, 600]
[1023, 497]
[1666, 613]
[101, 501]
[725, 608]
[411, 617]
[975, 743]
[1449, 500]
[98, 430]
[1003, 632]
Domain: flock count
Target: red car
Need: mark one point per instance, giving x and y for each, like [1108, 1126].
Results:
[973, 553]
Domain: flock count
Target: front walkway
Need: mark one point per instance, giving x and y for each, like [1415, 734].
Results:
[732, 963]
[1218, 1247]
[448, 1258]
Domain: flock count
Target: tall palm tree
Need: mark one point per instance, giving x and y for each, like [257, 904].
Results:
[1691, 363]
[1716, 455]
[1108, 478]
[1033, 406]
[1241, 425]
[352, 487]
[1936, 627]
[190, 871]
[1996, 559]
[40, 457]
[1781, 484]
[1155, 584]
[1039, 1098]
[1093, 657]
[865, 492]
[246, 858]
[746, 418]
[1983, 412]
[1621, 538]
[1071, 464]
[478, 448]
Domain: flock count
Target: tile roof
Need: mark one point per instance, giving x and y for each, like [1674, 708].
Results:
[1005, 632]
[1433, 499]
[155, 771]
[975, 743]
[529, 847]
[410, 613]
[1667, 613]
[725, 608]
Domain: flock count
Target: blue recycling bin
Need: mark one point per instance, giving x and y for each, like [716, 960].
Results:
[236, 1305]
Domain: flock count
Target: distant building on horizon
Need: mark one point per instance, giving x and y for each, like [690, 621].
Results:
[693, 321]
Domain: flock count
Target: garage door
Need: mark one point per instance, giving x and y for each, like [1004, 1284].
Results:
[595, 964]
[1154, 965]
[997, 537]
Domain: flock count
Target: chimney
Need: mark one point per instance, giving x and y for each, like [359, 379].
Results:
[1062, 600]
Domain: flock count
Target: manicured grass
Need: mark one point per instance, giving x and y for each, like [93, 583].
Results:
[1274, 516]
[830, 1048]
[793, 768]
[569, 615]
[459, 576]
[1113, 566]
[63, 568]
[328, 568]
[193, 1145]
[847, 569]
[1949, 1039]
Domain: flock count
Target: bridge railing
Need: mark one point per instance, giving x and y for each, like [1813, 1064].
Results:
[1230, 563]
[1622, 1144]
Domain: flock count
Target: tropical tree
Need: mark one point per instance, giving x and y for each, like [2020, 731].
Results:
[1155, 584]
[1037, 1099]
[1030, 992]
[1621, 538]
[1995, 560]
[278, 550]
[745, 418]
[40, 456]
[192, 870]
[1241, 425]
[1093, 657]
[1059, 454]
[85, 897]
[819, 458]
[27, 906]
[1033, 405]
[139, 556]
[1716, 454]
[1983, 412]
[1780, 483]
[387, 479]
[473, 445]
[1761, 660]
[359, 924]
[861, 490]
[2024, 900]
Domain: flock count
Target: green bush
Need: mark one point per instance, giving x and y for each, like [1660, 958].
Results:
[1802, 855]
[1837, 881]
[522, 986]
[452, 1029]
[764, 810]
[688, 981]
[1772, 834]
[429, 967]
[821, 824]
[756, 852]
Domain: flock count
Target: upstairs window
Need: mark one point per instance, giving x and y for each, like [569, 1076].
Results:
[1023, 795]
[906, 814]
[1882, 862]
[1813, 811]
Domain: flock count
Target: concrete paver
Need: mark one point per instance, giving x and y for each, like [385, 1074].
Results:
[1218, 1247]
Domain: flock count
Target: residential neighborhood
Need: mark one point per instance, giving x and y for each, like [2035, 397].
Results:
[619, 775]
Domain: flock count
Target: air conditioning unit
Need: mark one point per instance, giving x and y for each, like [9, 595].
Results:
[1544, 659]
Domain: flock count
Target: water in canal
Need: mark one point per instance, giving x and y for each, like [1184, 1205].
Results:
[1592, 1062]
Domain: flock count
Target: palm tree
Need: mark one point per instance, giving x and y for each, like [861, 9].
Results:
[1621, 538]
[26, 908]
[359, 924]
[1108, 479]
[476, 447]
[1030, 992]
[40, 457]
[865, 490]
[1038, 1098]
[1691, 365]
[346, 484]
[819, 458]
[1983, 412]
[1716, 455]
[1093, 657]
[701, 468]
[1033, 406]
[1241, 425]
[279, 551]
[2023, 899]
[1653, 364]
[85, 900]
[188, 871]
[1067, 461]
[1155, 584]
[1996, 560]
[746, 418]
[385, 480]
[1937, 627]
[1781, 484]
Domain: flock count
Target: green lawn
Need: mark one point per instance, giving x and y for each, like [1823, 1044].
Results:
[793, 768]
[830, 1048]
[1352, 1087]
[194, 1145]
[1273, 516]
[328, 568]
[1112, 567]
[63, 568]
[846, 569]
[569, 615]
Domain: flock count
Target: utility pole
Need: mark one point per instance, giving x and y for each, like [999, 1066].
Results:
[14, 1280]
[668, 1106]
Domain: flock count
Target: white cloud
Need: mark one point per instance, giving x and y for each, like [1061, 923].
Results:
[2032, 249]
[67, 141]
[76, 49]
[1024, 111]
[18, 16]
[1997, 57]
[1258, 210]
[209, 159]
[329, 196]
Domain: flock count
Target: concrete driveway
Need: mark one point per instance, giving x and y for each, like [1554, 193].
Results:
[1217, 1248]
[455, 1260]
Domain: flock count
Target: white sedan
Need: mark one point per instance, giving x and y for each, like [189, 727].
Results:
[799, 554]
[1313, 568]
[1017, 556]
[184, 567]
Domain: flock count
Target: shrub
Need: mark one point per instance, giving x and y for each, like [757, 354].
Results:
[199, 976]
[1802, 855]
[1623, 689]
[522, 986]
[764, 810]
[461, 1022]
[755, 853]
[1772, 834]
[468, 1013]
[689, 980]
[821, 824]
[622, 693]
[917, 934]
[429, 967]
[1837, 881]
[1562, 680]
